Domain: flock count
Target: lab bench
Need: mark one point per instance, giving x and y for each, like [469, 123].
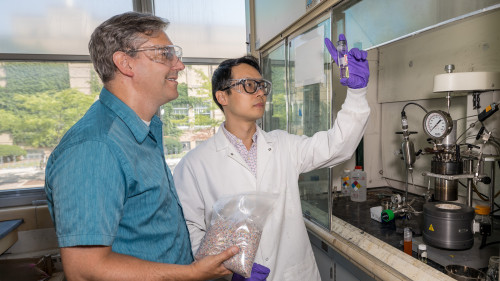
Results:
[8, 233]
[376, 248]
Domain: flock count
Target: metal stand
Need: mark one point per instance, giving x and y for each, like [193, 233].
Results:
[492, 159]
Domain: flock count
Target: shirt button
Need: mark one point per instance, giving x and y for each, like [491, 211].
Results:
[269, 149]
[267, 259]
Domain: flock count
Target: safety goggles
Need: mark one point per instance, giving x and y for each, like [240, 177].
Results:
[251, 86]
[168, 55]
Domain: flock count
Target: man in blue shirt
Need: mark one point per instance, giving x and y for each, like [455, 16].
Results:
[111, 195]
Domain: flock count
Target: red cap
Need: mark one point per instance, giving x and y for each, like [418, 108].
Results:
[359, 167]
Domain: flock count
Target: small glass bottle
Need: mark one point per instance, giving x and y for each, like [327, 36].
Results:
[342, 58]
[407, 241]
[346, 182]
[358, 184]
[422, 253]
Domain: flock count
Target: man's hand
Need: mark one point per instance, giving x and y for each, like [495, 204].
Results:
[359, 72]
[211, 267]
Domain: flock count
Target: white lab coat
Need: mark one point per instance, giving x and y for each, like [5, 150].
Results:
[215, 169]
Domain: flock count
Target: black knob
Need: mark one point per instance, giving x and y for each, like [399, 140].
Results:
[486, 180]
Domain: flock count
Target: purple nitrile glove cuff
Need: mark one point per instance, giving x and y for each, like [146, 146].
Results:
[259, 273]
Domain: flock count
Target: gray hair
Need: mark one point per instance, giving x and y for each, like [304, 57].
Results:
[120, 33]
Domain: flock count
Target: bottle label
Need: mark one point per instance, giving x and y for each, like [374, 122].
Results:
[343, 60]
[356, 186]
[345, 182]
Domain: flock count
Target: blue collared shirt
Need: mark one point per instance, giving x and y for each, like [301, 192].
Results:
[107, 183]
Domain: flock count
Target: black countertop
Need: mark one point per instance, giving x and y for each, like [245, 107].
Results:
[358, 215]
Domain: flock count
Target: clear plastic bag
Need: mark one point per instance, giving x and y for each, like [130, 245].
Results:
[237, 220]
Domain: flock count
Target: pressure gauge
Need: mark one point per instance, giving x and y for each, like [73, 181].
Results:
[437, 124]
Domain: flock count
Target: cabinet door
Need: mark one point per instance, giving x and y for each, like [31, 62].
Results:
[325, 264]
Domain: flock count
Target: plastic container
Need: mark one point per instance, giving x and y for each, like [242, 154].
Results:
[345, 179]
[342, 58]
[407, 235]
[358, 184]
[422, 253]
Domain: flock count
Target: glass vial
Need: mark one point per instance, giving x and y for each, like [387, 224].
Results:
[493, 268]
[407, 240]
[342, 58]
[422, 253]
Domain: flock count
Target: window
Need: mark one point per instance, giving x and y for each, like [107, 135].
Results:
[193, 117]
[370, 23]
[53, 27]
[274, 70]
[310, 106]
[47, 81]
[206, 29]
[39, 102]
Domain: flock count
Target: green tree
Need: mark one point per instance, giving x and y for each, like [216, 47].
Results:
[9, 152]
[202, 98]
[95, 82]
[171, 120]
[37, 105]
[172, 145]
[204, 94]
[41, 119]
[35, 77]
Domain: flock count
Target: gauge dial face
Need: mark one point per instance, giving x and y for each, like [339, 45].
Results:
[437, 124]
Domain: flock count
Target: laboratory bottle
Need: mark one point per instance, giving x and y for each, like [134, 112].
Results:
[422, 253]
[407, 236]
[345, 179]
[342, 58]
[358, 185]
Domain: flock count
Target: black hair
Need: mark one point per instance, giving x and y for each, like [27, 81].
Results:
[223, 74]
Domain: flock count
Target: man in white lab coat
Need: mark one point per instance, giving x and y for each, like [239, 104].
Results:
[242, 158]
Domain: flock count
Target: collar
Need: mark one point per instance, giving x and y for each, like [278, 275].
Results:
[234, 139]
[221, 141]
[135, 124]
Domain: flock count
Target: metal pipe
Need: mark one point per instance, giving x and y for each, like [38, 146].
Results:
[492, 187]
[469, 185]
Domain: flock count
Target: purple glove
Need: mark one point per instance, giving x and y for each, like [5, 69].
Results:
[357, 63]
[259, 273]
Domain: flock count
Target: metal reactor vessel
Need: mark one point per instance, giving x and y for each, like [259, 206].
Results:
[448, 224]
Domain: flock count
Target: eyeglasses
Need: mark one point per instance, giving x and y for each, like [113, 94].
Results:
[251, 86]
[168, 55]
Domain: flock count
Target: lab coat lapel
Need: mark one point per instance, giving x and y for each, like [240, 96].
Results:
[265, 152]
[222, 143]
